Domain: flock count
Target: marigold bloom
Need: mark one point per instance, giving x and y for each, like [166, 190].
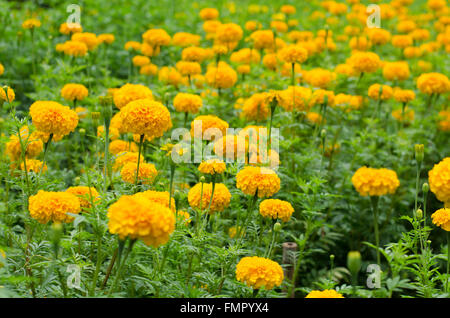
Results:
[31, 24]
[346, 70]
[193, 54]
[53, 118]
[209, 14]
[2, 69]
[147, 172]
[364, 62]
[263, 39]
[433, 83]
[53, 206]
[288, 9]
[230, 146]
[296, 97]
[402, 41]
[229, 32]
[68, 28]
[375, 182]
[113, 132]
[90, 39]
[189, 103]
[132, 45]
[170, 75]
[257, 272]
[33, 165]
[140, 60]
[256, 107]
[160, 197]
[184, 39]
[149, 69]
[211, 26]
[439, 180]
[7, 95]
[131, 92]
[124, 157]
[327, 293]
[293, 54]
[319, 77]
[202, 123]
[270, 61]
[245, 56]
[200, 199]
[187, 68]
[32, 143]
[276, 209]
[137, 217]
[403, 116]
[396, 71]
[223, 76]
[86, 195]
[444, 123]
[441, 218]
[404, 95]
[118, 146]
[377, 91]
[106, 38]
[75, 48]
[156, 37]
[146, 117]
[74, 92]
[212, 166]
[262, 180]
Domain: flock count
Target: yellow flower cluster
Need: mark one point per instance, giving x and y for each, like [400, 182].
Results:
[293, 54]
[364, 62]
[209, 14]
[433, 83]
[319, 77]
[68, 28]
[375, 94]
[7, 95]
[184, 39]
[137, 217]
[53, 118]
[74, 92]
[207, 122]
[156, 37]
[88, 38]
[296, 97]
[33, 165]
[147, 172]
[396, 71]
[223, 76]
[145, 117]
[74, 48]
[159, 197]
[263, 39]
[189, 103]
[31, 24]
[439, 180]
[441, 218]
[86, 195]
[327, 293]
[188, 68]
[262, 180]
[444, 123]
[403, 116]
[404, 95]
[276, 209]
[118, 146]
[53, 206]
[131, 92]
[32, 143]
[212, 166]
[199, 197]
[256, 107]
[258, 272]
[375, 182]
[125, 157]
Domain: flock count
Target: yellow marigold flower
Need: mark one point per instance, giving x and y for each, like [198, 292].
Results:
[140, 60]
[33, 165]
[293, 54]
[209, 14]
[441, 218]
[412, 52]
[436, 5]
[439, 180]
[376, 89]
[396, 71]
[74, 92]
[183, 217]
[256, 107]
[146, 117]
[124, 157]
[404, 95]
[403, 116]
[7, 95]
[276, 209]
[33, 144]
[187, 68]
[53, 206]
[402, 41]
[375, 182]
[279, 26]
[433, 83]
[314, 117]
[31, 24]
[75, 48]
[243, 69]
[106, 38]
[365, 62]
[270, 61]
[327, 293]
[257, 272]
[53, 118]
[159, 197]
[184, 39]
[230, 146]
[169, 75]
[233, 231]
[68, 28]
[406, 26]
[347, 102]
[212, 166]
[2, 69]
[137, 217]
[346, 70]
[360, 43]
[319, 95]
[319, 77]
[147, 172]
[193, 54]
[149, 69]
[229, 32]
[86, 195]
[113, 132]
[190, 103]
[131, 92]
[288, 9]
[205, 122]
[245, 56]
[221, 77]
[132, 45]
[420, 34]
[252, 25]
[263, 180]
[118, 146]
[263, 39]
[221, 198]
[379, 36]
[90, 39]
[156, 37]
[444, 123]
[82, 112]
[211, 26]
[296, 97]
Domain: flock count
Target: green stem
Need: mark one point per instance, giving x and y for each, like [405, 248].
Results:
[374, 200]
[141, 141]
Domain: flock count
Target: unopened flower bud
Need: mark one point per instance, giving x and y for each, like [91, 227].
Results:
[95, 115]
[419, 152]
[354, 262]
[332, 257]
[277, 227]
[105, 100]
[419, 214]
[425, 188]
[323, 133]
[82, 131]
[202, 179]
[77, 180]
